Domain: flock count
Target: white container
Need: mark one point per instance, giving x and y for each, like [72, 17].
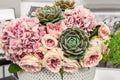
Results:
[83, 74]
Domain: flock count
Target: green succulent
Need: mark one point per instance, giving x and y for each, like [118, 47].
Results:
[65, 4]
[49, 14]
[74, 42]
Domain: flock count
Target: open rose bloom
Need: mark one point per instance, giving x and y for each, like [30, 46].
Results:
[55, 40]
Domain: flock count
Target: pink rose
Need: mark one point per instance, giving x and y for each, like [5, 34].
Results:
[53, 60]
[55, 29]
[30, 63]
[70, 65]
[49, 41]
[104, 31]
[92, 57]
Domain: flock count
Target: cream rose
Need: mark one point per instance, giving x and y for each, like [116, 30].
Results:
[97, 42]
[40, 52]
[91, 58]
[30, 63]
[104, 31]
[53, 60]
[105, 49]
[70, 65]
[49, 41]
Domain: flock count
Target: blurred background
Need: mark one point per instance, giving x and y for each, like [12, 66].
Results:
[104, 10]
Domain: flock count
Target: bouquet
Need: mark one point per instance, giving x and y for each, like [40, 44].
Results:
[61, 38]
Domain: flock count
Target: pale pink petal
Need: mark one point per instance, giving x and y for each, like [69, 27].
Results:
[104, 31]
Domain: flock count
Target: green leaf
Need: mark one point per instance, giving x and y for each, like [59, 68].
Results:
[61, 73]
[14, 68]
[57, 19]
[95, 31]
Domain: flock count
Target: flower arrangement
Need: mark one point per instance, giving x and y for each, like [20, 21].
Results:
[59, 38]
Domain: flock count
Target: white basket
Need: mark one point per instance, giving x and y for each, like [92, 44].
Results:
[83, 74]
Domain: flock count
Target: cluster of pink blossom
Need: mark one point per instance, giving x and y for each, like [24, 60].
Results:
[80, 17]
[20, 37]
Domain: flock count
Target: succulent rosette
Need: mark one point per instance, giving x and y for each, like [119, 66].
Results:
[65, 4]
[74, 42]
[53, 60]
[49, 14]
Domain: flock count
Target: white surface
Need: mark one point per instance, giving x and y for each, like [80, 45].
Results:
[6, 14]
[107, 74]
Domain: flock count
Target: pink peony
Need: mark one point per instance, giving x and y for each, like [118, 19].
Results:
[53, 60]
[30, 63]
[49, 41]
[55, 29]
[20, 37]
[91, 58]
[80, 17]
[104, 31]
[70, 65]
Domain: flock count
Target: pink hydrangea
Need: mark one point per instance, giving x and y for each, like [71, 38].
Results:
[55, 29]
[21, 36]
[80, 17]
